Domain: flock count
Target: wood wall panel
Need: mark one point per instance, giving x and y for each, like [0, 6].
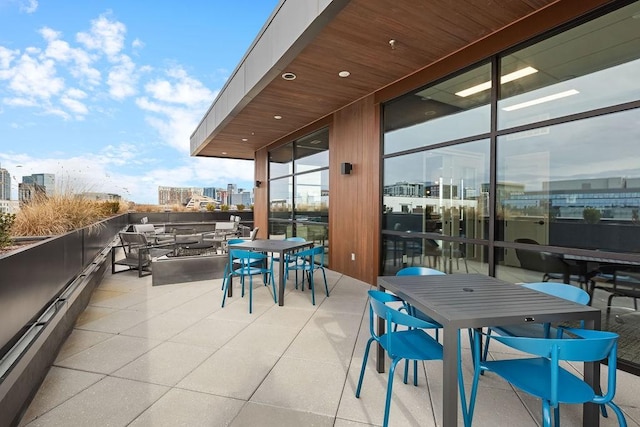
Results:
[261, 201]
[354, 200]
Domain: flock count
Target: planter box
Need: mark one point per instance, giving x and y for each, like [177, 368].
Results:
[182, 269]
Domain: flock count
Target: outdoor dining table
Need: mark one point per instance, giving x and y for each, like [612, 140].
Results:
[279, 246]
[461, 301]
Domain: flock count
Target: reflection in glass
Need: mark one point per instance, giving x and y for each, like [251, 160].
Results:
[312, 196]
[281, 161]
[312, 151]
[280, 202]
[434, 114]
[576, 184]
[579, 70]
[438, 191]
[449, 257]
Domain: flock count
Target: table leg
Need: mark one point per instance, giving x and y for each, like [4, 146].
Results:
[450, 376]
[379, 349]
[591, 411]
[281, 280]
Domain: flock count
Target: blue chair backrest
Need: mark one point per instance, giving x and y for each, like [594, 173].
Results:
[295, 239]
[589, 346]
[378, 305]
[313, 252]
[561, 290]
[246, 258]
[235, 241]
[418, 271]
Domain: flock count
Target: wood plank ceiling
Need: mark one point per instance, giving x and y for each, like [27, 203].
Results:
[357, 40]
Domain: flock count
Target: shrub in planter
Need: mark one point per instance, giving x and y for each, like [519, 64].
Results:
[591, 215]
[240, 207]
[6, 221]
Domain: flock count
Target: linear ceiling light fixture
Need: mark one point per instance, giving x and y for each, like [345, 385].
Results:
[537, 101]
[504, 79]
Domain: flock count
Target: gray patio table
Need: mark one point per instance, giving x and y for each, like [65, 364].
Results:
[279, 246]
[461, 301]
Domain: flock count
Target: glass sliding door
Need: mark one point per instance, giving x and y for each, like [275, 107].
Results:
[299, 189]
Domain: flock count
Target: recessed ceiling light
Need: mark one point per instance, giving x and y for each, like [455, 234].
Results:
[244, 139]
[277, 117]
[542, 100]
[288, 76]
[224, 152]
[315, 142]
[344, 74]
[504, 79]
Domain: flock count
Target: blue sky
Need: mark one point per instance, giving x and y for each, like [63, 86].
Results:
[106, 93]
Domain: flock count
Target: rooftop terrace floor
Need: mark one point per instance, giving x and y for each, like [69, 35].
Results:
[170, 355]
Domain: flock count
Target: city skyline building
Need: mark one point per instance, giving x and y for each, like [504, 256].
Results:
[232, 195]
[5, 184]
[44, 180]
[177, 195]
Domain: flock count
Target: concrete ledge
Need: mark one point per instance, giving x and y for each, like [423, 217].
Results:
[21, 383]
[182, 269]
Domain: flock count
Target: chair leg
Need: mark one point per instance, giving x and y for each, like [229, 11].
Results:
[546, 414]
[312, 287]
[324, 276]
[387, 404]
[364, 365]
[225, 285]
[250, 294]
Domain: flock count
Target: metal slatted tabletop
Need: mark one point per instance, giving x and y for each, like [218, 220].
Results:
[461, 301]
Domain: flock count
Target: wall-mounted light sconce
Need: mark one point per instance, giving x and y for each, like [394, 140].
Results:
[345, 168]
[258, 184]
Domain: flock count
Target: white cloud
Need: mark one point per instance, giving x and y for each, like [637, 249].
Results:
[35, 79]
[137, 44]
[6, 57]
[28, 6]
[173, 124]
[105, 36]
[176, 105]
[75, 106]
[183, 90]
[122, 79]
[61, 51]
[20, 102]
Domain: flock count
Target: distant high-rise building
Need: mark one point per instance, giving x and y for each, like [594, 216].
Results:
[209, 192]
[5, 184]
[177, 195]
[27, 192]
[44, 180]
[243, 198]
[231, 189]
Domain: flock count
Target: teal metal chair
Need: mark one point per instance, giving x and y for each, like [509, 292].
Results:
[307, 261]
[412, 343]
[539, 330]
[288, 258]
[250, 264]
[229, 263]
[543, 377]
[420, 271]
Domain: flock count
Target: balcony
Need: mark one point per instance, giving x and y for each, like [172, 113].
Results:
[170, 355]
